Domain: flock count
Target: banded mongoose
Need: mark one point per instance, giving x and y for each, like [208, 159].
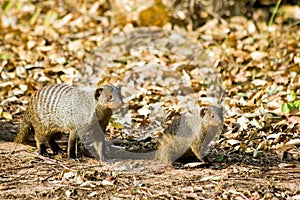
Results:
[59, 108]
[188, 134]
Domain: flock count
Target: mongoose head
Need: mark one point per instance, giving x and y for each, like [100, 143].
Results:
[109, 96]
[212, 115]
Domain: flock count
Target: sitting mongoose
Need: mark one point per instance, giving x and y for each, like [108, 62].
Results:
[59, 108]
[188, 134]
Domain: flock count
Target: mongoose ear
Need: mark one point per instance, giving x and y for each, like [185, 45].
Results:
[203, 111]
[98, 92]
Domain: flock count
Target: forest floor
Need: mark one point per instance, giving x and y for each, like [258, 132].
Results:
[26, 175]
[249, 67]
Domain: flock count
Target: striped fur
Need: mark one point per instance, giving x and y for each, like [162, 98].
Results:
[59, 108]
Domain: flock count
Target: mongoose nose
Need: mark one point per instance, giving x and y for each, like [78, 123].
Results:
[115, 105]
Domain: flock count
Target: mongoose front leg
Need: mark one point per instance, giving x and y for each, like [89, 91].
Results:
[40, 141]
[164, 154]
[26, 131]
[72, 145]
[99, 144]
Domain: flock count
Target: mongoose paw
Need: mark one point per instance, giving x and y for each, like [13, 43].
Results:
[79, 159]
[58, 151]
[205, 160]
[103, 159]
[46, 154]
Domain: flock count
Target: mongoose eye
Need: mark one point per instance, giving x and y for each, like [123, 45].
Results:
[110, 97]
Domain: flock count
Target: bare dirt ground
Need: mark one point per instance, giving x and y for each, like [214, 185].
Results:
[26, 175]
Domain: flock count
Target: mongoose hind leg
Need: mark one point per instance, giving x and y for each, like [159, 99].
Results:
[26, 132]
[54, 146]
[195, 149]
[200, 158]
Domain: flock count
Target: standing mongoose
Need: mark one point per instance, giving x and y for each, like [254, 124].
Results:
[188, 134]
[59, 108]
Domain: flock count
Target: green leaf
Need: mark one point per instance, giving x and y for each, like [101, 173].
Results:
[297, 104]
[5, 56]
[275, 90]
[117, 125]
[7, 5]
[19, 5]
[35, 16]
[256, 153]
[50, 17]
[220, 158]
[288, 106]
[291, 106]
[284, 108]
[241, 94]
[274, 12]
[292, 96]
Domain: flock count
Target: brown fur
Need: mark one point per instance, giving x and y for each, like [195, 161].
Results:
[190, 138]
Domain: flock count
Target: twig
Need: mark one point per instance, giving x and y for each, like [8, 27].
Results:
[215, 15]
[49, 160]
[25, 173]
[158, 193]
[238, 193]
[274, 13]
[45, 179]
